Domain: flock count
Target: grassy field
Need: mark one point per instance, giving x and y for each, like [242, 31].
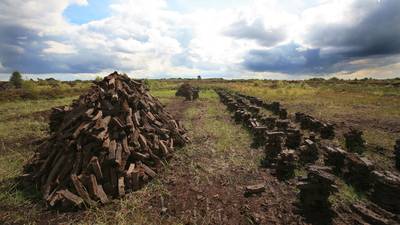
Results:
[205, 160]
[372, 106]
[218, 144]
[21, 122]
[375, 109]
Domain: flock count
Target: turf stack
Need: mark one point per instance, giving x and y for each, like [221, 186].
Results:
[186, 90]
[112, 140]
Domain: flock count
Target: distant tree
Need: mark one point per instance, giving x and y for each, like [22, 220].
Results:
[198, 77]
[334, 79]
[99, 78]
[16, 79]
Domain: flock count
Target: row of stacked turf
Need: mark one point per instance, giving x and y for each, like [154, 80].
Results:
[287, 146]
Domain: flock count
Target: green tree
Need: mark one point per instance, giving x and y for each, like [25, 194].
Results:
[98, 78]
[16, 79]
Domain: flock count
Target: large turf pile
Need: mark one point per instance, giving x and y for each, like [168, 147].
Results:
[112, 140]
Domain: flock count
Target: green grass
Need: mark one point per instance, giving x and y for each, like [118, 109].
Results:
[216, 138]
[10, 110]
[346, 195]
[208, 123]
[24, 120]
[369, 107]
[22, 129]
[163, 93]
[18, 126]
[128, 210]
[217, 146]
[44, 90]
[300, 172]
[225, 140]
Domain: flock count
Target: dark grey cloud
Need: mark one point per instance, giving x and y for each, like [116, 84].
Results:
[377, 31]
[22, 48]
[376, 34]
[19, 48]
[289, 58]
[256, 31]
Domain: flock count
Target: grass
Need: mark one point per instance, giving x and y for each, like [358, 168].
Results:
[20, 122]
[215, 126]
[128, 210]
[375, 109]
[43, 89]
[216, 147]
[215, 138]
[223, 144]
[346, 195]
[20, 108]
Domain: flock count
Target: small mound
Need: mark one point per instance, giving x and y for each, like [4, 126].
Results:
[186, 90]
[110, 141]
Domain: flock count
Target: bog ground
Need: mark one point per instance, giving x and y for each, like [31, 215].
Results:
[205, 181]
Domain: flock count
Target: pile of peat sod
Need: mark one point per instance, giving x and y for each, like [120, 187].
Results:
[186, 90]
[110, 141]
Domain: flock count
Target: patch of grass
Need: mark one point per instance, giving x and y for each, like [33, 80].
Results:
[225, 141]
[25, 128]
[10, 110]
[44, 90]
[129, 210]
[17, 127]
[163, 93]
[208, 94]
[300, 172]
[375, 109]
[346, 194]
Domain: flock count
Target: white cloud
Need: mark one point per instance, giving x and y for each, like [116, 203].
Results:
[382, 72]
[80, 2]
[55, 47]
[148, 38]
[350, 25]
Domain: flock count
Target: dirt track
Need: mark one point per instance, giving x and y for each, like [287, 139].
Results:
[204, 188]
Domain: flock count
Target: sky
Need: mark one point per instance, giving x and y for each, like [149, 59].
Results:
[234, 39]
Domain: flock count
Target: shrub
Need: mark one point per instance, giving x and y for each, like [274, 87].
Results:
[30, 90]
[16, 79]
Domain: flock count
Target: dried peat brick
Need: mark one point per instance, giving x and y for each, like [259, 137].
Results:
[354, 141]
[316, 188]
[254, 189]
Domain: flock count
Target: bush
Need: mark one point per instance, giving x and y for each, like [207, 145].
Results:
[30, 90]
[16, 79]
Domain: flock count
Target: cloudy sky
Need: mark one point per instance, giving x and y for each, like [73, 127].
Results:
[184, 38]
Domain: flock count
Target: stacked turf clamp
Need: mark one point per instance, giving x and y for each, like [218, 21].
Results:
[110, 141]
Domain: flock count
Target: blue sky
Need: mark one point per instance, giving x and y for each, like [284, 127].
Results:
[99, 9]
[279, 39]
[94, 10]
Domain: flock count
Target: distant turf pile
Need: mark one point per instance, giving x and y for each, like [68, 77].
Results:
[186, 90]
[112, 140]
